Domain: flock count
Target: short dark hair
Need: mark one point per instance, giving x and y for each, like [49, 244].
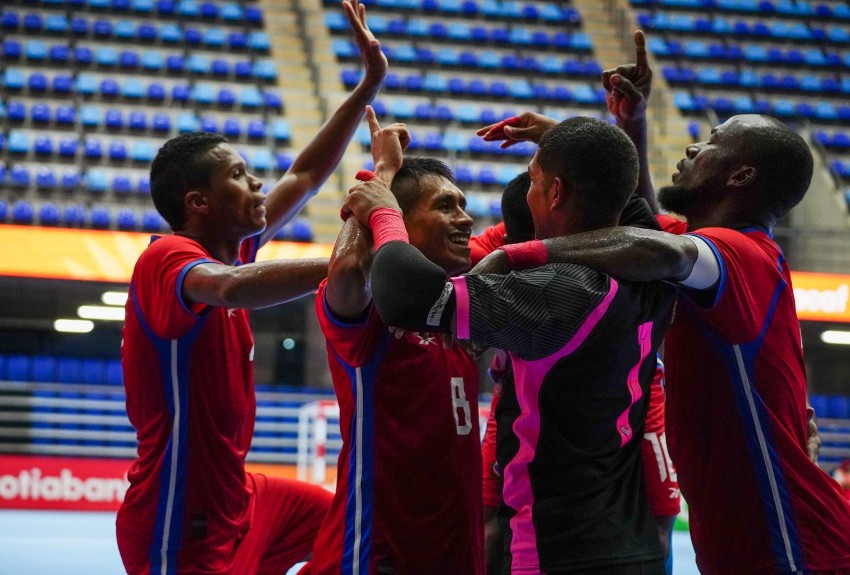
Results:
[406, 184]
[181, 164]
[783, 163]
[519, 225]
[596, 159]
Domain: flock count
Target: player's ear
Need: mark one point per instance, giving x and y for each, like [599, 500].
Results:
[196, 201]
[557, 193]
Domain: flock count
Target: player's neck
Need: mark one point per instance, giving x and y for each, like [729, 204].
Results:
[223, 249]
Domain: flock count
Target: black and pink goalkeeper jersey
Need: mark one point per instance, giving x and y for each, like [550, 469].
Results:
[583, 349]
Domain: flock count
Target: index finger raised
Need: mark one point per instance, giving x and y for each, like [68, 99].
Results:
[372, 119]
[641, 60]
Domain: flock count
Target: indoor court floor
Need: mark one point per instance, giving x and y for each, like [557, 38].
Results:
[83, 543]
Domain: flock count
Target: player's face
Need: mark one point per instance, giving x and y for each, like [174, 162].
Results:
[700, 180]
[538, 197]
[439, 226]
[236, 199]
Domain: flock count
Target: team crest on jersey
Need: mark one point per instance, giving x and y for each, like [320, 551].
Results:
[426, 338]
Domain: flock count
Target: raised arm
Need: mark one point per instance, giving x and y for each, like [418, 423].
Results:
[322, 155]
[253, 285]
[348, 292]
[628, 88]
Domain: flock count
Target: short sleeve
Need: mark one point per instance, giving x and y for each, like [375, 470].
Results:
[747, 271]
[671, 225]
[355, 342]
[480, 246]
[158, 283]
[532, 313]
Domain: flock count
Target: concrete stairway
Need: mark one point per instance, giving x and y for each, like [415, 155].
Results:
[611, 25]
[301, 46]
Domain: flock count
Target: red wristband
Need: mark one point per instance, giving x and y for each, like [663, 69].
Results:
[387, 226]
[526, 255]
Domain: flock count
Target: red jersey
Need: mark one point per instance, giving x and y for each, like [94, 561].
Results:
[490, 239]
[188, 374]
[662, 486]
[736, 410]
[408, 494]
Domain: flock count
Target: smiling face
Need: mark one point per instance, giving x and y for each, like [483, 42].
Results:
[700, 181]
[439, 226]
[236, 202]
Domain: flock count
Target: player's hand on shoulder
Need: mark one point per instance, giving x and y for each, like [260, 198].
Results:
[496, 262]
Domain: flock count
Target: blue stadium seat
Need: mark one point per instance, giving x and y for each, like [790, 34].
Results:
[110, 88]
[170, 33]
[11, 21]
[152, 221]
[243, 69]
[143, 185]
[147, 33]
[114, 372]
[45, 179]
[301, 230]
[48, 213]
[102, 28]
[142, 152]
[117, 151]
[11, 49]
[99, 217]
[231, 128]
[43, 145]
[35, 50]
[96, 181]
[262, 160]
[208, 124]
[73, 215]
[181, 92]
[125, 219]
[113, 119]
[283, 161]
[16, 111]
[68, 147]
[214, 37]
[91, 115]
[40, 113]
[156, 92]
[62, 84]
[280, 130]
[161, 122]
[121, 184]
[13, 79]
[22, 210]
[18, 142]
[250, 97]
[237, 40]
[33, 22]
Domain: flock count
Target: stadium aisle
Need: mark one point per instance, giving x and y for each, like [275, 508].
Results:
[83, 543]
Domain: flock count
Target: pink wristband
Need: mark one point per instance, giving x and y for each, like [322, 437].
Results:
[526, 255]
[387, 226]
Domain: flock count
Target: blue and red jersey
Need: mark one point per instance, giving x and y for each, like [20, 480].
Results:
[188, 374]
[408, 494]
[736, 413]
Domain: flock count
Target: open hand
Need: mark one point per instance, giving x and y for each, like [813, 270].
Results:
[373, 58]
[528, 126]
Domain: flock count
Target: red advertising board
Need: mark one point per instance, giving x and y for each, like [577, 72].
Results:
[64, 483]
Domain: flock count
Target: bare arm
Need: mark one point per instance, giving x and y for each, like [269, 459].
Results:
[322, 155]
[348, 292]
[628, 88]
[628, 253]
[254, 285]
